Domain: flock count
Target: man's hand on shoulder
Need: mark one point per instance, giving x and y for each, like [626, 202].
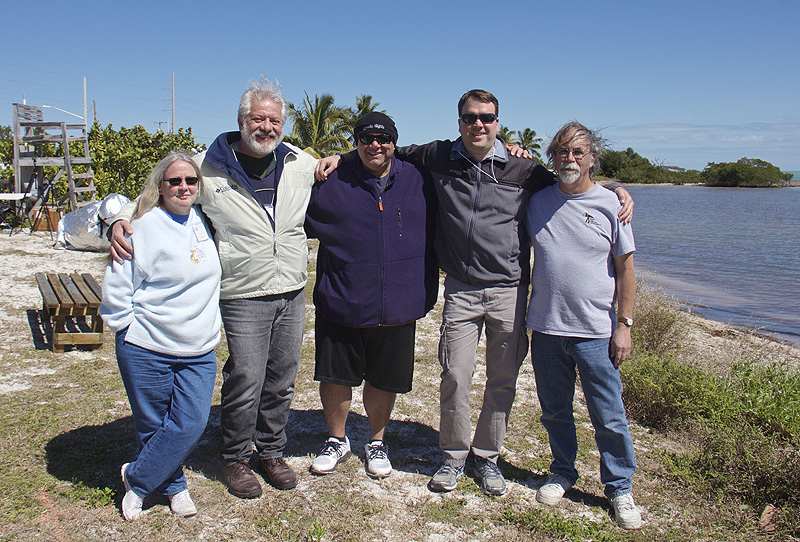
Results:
[121, 249]
[625, 199]
[519, 152]
[326, 166]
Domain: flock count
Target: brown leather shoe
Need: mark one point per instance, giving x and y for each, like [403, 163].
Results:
[279, 473]
[240, 480]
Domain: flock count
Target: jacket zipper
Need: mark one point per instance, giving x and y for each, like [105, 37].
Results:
[400, 221]
[383, 250]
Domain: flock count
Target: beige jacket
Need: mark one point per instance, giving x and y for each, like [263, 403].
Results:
[256, 258]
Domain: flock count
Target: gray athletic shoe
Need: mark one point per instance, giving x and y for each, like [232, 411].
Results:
[491, 479]
[446, 478]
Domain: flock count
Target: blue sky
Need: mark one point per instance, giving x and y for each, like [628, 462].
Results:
[684, 83]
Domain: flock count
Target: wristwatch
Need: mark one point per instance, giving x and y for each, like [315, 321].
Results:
[625, 321]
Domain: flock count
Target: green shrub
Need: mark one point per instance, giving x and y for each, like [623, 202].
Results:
[664, 393]
[770, 395]
[743, 427]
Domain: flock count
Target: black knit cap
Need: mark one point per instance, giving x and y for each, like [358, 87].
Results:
[376, 123]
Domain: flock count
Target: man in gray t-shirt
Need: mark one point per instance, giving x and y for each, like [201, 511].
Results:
[582, 264]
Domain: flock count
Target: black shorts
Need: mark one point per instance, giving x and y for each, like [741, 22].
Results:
[381, 355]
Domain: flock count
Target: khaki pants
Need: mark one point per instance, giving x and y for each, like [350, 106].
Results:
[467, 309]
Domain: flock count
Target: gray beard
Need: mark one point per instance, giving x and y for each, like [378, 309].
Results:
[262, 149]
[569, 176]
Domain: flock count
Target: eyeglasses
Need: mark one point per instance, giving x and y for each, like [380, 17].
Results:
[472, 118]
[176, 181]
[367, 139]
[577, 153]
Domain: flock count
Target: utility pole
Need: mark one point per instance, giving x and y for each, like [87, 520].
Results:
[94, 111]
[85, 115]
[173, 103]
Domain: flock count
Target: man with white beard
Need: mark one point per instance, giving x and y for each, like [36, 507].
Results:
[255, 194]
[582, 264]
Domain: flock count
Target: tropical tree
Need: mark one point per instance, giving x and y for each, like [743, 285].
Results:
[6, 152]
[320, 127]
[506, 135]
[527, 140]
[744, 172]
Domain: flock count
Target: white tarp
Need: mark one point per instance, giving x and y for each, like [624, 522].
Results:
[85, 228]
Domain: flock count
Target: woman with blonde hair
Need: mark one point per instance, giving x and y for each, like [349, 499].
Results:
[163, 306]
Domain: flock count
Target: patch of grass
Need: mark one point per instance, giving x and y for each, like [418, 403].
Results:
[451, 511]
[287, 525]
[90, 496]
[553, 524]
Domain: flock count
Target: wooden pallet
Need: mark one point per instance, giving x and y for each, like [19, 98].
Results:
[68, 296]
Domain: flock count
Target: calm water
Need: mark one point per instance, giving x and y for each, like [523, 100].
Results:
[732, 254]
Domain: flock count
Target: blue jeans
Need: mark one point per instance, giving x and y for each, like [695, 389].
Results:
[170, 398]
[265, 335]
[555, 359]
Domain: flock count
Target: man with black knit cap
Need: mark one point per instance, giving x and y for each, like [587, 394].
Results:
[376, 275]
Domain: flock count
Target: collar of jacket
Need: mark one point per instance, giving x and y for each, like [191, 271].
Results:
[459, 151]
[221, 156]
[364, 174]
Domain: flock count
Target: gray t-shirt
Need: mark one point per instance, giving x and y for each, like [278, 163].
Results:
[575, 240]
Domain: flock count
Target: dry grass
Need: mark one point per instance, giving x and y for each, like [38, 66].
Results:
[65, 428]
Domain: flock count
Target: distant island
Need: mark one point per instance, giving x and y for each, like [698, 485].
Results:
[629, 167]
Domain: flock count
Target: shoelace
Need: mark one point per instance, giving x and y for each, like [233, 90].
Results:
[377, 452]
[624, 504]
[333, 448]
[449, 469]
[488, 468]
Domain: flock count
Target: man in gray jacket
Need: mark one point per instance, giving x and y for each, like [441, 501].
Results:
[255, 194]
[480, 243]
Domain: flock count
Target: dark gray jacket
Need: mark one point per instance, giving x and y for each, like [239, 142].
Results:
[479, 232]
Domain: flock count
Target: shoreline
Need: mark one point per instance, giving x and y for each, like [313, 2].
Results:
[790, 184]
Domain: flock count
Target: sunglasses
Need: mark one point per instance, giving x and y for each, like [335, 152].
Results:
[472, 118]
[176, 181]
[367, 139]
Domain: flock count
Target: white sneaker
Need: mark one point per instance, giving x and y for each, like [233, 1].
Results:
[378, 464]
[131, 502]
[181, 504]
[333, 452]
[553, 489]
[626, 514]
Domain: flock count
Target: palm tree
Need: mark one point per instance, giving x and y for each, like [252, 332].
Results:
[506, 135]
[320, 128]
[364, 105]
[527, 140]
